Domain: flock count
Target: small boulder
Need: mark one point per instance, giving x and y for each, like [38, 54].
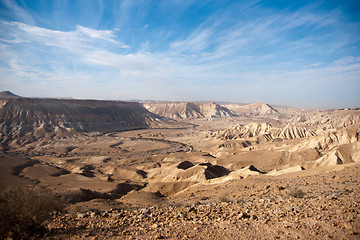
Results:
[185, 165]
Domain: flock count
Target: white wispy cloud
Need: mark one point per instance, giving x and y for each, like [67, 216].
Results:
[197, 41]
[23, 70]
[21, 13]
[80, 40]
[105, 35]
[129, 62]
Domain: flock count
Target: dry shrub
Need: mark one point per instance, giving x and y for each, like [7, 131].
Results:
[24, 210]
[296, 193]
[224, 198]
[84, 195]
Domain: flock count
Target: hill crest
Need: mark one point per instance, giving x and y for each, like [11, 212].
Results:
[8, 94]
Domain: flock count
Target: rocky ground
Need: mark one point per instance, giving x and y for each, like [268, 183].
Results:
[320, 207]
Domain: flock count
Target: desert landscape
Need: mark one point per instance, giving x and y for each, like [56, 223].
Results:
[184, 170]
[174, 119]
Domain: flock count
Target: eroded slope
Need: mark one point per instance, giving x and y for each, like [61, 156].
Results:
[25, 120]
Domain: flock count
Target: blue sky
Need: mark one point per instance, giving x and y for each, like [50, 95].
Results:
[298, 53]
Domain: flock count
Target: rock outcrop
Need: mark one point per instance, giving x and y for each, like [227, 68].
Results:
[265, 130]
[186, 110]
[252, 109]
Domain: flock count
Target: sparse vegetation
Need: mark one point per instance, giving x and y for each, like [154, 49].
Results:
[24, 210]
[240, 201]
[224, 198]
[296, 193]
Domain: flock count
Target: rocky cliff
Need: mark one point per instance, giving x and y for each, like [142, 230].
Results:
[35, 118]
[186, 110]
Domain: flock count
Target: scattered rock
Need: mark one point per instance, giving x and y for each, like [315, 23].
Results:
[82, 215]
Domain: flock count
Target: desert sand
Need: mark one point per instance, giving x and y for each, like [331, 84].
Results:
[180, 170]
